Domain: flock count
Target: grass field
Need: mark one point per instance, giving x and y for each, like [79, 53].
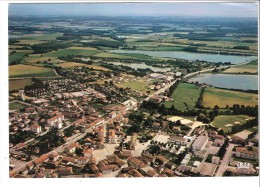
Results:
[68, 65]
[139, 86]
[15, 106]
[21, 70]
[123, 56]
[30, 42]
[44, 36]
[221, 97]
[222, 120]
[18, 56]
[184, 93]
[18, 83]
[73, 51]
[251, 67]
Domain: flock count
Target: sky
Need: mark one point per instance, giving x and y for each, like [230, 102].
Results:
[137, 9]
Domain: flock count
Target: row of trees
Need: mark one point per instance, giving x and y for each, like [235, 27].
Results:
[249, 124]
[48, 47]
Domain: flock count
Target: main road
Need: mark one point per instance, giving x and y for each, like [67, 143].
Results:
[186, 76]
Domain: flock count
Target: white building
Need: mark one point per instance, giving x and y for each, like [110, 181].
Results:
[35, 128]
[200, 143]
[55, 119]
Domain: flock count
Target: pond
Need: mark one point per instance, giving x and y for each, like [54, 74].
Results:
[141, 66]
[243, 82]
[234, 59]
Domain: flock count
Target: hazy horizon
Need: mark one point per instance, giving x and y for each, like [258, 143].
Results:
[136, 9]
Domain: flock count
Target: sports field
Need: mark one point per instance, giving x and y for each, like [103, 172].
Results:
[226, 122]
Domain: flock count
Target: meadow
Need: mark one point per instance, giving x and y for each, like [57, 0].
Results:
[184, 93]
[251, 67]
[16, 84]
[15, 106]
[20, 70]
[222, 97]
[69, 65]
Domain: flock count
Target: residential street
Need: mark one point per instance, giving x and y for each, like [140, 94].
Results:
[224, 162]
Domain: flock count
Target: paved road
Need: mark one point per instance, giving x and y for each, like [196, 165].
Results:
[224, 163]
[161, 90]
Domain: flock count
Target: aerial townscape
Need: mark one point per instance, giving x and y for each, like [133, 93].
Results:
[132, 96]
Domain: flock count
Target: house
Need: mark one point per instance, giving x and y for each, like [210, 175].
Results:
[152, 173]
[112, 114]
[178, 140]
[185, 160]
[215, 160]
[57, 125]
[170, 165]
[120, 163]
[145, 169]
[54, 156]
[106, 168]
[132, 142]
[218, 142]
[82, 160]
[237, 140]
[184, 168]
[56, 119]
[202, 154]
[208, 169]
[132, 161]
[70, 148]
[168, 172]
[200, 143]
[94, 168]
[65, 171]
[242, 152]
[125, 154]
[41, 159]
[135, 173]
[162, 160]
[35, 128]
[87, 152]
[199, 130]
[111, 136]
[69, 160]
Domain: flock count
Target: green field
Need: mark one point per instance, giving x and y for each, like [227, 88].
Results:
[18, 83]
[226, 122]
[251, 67]
[123, 56]
[139, 86]
[15, 106]
[68, 65]
[222, 97]
[73, 51]
[52, 36]
[17, 71]
[184, 93]
[18, 56]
